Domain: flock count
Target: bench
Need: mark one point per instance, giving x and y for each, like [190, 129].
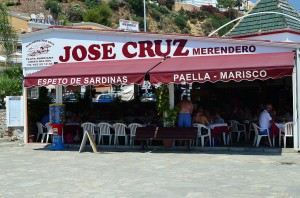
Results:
[166, 133]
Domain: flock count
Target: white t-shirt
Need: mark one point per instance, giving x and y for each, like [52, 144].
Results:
[264, 120]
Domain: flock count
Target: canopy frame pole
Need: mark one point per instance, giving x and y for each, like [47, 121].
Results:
[59, 93]
[25, 116]
[296, 100]
[171, 95]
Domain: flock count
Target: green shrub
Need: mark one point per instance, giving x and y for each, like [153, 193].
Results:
[168, 3]
[231, 13]
[10, 82]
[156, 15]
[164, 10]
[137, 6]
[101, 14]
[92, 15]
[54, 8]
[186, 30]
[114, 4]
[207, 27]
[194, 21]
[180, 22]
[218, 22]
[140, 20]
[196, 14]
[92, 3]
[10, 4]
[75, 13]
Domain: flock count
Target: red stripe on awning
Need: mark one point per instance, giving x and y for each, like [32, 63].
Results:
[223, 68]
[93, 73]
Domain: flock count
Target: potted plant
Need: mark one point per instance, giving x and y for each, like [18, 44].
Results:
[168, 115]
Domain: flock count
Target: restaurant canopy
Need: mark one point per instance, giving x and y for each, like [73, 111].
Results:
[93, 73]
[171, 70]
[223, 68]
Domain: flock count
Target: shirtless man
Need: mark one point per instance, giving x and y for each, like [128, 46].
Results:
[201, 118]
[185, 112]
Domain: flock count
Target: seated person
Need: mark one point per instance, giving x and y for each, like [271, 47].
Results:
[45, 119]
[200, 118]
[265, 119]
[217, 118]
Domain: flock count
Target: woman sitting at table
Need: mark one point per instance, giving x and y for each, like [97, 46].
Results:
[200, 118]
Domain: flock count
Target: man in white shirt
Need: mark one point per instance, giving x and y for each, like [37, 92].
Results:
[265, 119]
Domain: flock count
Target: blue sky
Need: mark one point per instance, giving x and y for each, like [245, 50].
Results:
[294, 3]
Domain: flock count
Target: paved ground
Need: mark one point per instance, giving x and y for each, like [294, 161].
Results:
[33, 172]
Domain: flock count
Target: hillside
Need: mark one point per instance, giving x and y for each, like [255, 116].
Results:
[161, 17]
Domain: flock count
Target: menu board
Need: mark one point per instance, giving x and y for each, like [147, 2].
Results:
[14, 111]
[88, 135]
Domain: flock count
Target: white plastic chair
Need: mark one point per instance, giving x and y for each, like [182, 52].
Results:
[104, 130]
[236, 127]
[40, 127]
[201, 134]
[287, 132]
[251, 129]
[49, 130]
[88, 126]
[133, 127]
[258, 136]
[120, 131]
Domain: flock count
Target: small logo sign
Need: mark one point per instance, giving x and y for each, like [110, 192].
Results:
[39, 47]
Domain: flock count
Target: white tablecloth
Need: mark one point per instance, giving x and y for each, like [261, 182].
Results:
[212, 126]
[280, 126]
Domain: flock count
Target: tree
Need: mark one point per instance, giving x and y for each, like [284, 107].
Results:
[239, 3]
[137, 6]
[10, 82]
[180, 21]
[91, 3]
[226, 3]
[54, 8]
[101, 14]
[114, 4]
[75, 13]
[8, 37]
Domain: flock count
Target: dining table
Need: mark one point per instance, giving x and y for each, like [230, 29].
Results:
[72, 133]
[280, 126]
[275, 129]
[220, 128]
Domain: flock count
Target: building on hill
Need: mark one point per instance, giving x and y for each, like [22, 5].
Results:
[196, 4]
[269, 26]
[193, 4]
[24, 23]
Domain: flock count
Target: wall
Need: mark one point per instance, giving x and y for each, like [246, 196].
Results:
[20, 25]
[2, 120]
[15, 133]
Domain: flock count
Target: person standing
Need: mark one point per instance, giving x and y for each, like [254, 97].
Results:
[185, 112]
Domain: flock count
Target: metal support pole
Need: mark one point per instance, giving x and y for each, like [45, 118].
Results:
[296, 118]
[171, 95]
[145, 18]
